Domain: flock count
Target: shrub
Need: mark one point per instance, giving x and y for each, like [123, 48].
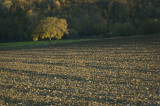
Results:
[124, 29]
[73, 34]
[149, 26]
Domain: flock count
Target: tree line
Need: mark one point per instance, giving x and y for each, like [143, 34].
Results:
[85, 18]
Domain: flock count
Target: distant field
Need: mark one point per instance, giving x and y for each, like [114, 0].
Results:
[119, 71]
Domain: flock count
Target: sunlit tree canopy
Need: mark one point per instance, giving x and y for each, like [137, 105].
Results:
[50, 27]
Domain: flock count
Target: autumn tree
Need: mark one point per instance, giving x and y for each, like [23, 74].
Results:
[57, 4]
[19, 5]
[7, 4]
[50, 27]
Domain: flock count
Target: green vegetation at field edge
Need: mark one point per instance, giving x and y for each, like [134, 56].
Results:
[38, 43]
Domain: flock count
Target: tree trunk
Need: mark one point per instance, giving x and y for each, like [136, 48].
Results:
[50, 40]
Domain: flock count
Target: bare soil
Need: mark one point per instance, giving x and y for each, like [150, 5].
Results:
[117, 71]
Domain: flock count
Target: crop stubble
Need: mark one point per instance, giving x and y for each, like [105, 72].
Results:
[104, 72]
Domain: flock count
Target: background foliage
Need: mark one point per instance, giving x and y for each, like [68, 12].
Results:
[86, 18]
[124, 29]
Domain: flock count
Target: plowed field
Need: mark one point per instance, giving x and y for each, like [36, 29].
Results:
[117, 71]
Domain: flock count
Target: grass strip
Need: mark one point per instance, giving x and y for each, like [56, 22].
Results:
[38, 43]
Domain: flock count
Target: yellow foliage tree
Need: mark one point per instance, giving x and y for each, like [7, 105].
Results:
[50, 27]
[57, 4]
[20, 4]
[7, 4]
